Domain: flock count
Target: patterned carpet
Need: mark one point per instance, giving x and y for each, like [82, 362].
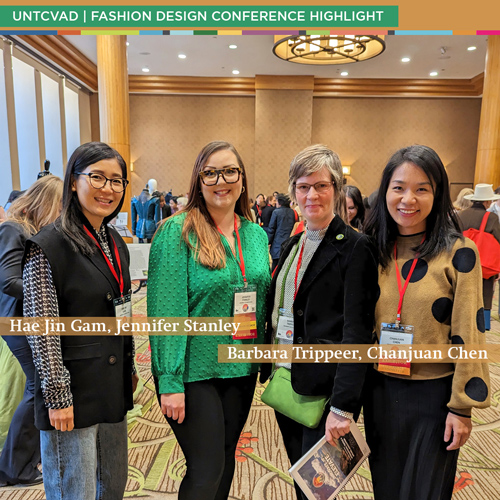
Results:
[156, 464]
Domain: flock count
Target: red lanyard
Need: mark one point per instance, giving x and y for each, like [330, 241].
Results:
[402, 290]
[117, 257]
[241, 262]
[299, 263]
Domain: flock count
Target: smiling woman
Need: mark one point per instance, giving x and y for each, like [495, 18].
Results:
[79, 267]
[218, 259]
[430, 293]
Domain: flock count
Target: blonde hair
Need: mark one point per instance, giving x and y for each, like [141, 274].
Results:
[461, 203]
[38, 206]
[312, 159]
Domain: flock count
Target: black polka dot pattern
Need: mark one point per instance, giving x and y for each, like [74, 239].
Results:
[441, 310]
[476, 389]
[480, 320]
[419, 272]
[464, 260]
[456, 339]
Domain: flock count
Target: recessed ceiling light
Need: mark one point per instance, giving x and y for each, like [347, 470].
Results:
[405, 59]
[145, 70]
[236, 72]
[471, 48]
[344, 73]
[433, 73]
[127, 44]
[233, 46]
[182, 56]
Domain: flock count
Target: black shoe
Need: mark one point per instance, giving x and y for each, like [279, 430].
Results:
[38, 479]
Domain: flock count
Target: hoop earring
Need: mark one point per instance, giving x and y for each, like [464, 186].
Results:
[243, 190]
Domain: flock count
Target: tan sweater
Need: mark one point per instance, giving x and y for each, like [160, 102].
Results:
[444, 303]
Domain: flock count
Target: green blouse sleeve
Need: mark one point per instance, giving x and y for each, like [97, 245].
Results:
[168, 298]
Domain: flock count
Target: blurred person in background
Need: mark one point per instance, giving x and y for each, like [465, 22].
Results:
[39, 206]
[280, 227]
[462, 203]
[355, 207]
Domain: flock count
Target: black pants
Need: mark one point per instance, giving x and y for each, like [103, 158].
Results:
[21, 453]
[405, 423]
[299, 439]
[216, 412]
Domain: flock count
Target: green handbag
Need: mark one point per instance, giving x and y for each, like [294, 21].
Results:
[279, 394]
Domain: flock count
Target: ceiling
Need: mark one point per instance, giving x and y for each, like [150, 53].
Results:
[211, 56]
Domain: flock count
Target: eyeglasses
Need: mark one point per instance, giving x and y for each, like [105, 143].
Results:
[98, 181]
[319, 187]
[211, 177]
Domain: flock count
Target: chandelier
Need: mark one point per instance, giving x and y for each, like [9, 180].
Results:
[328, 49]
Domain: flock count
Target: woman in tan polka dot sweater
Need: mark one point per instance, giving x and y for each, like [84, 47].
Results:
[417, 422]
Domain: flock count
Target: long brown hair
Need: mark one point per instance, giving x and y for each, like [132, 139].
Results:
[206, 244]
[38, 206]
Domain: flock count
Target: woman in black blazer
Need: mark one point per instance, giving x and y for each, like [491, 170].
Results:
[326, 280]
[79, 267]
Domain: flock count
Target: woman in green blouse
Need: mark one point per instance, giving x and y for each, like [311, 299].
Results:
[219, 263]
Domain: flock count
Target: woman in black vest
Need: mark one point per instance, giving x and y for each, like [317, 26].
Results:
[78, 267]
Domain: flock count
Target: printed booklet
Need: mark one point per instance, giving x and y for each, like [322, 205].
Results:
[325, 469]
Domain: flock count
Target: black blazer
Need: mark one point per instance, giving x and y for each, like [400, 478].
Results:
[100, 366]
[335, 304]
[12, 241]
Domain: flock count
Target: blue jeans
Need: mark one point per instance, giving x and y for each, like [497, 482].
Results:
[85, 464]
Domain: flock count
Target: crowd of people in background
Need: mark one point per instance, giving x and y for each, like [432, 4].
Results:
[337, 260]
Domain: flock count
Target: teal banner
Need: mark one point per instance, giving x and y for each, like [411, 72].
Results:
[182, 16]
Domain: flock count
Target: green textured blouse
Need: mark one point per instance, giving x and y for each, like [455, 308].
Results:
[178, 286]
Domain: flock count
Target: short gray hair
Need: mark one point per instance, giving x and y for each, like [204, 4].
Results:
[312, 159]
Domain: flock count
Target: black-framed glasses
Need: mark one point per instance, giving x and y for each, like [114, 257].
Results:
[229, 174]
[98, 181]
[320, 187]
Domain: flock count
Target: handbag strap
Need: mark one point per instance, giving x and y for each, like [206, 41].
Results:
[483, 222]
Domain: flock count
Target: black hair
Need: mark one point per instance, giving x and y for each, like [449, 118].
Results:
[442, 227]
[355, 194]
[70, 223]
[283, 200]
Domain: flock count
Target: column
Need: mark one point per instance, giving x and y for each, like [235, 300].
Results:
[488, 148]
[114, 109]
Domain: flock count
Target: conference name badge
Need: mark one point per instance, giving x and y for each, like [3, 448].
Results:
[392, 336]
[244, 312]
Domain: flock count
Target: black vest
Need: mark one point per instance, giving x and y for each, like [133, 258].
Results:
[100, 366]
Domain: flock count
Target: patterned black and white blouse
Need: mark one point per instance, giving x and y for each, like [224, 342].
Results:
[40, 300]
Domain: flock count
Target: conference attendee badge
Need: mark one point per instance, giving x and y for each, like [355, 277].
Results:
[394, 357]
[284, 331]
[244, 312]
[123, 306]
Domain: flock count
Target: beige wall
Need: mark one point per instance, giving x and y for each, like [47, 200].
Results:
[366, 131]
[167, 132]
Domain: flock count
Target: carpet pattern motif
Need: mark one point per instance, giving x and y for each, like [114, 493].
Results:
[156, 463]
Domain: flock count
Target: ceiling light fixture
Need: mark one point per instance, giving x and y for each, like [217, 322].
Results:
[236, 72]
[328, 49]
[433, 73]
[471, 48]
[405, 59]
[145, 70]
[182, 56]
[344, 73]
[232, 46]
[127, 43]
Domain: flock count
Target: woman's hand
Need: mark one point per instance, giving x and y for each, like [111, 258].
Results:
[62, 419]
[336, 426]
[173, 406]
[458, 427]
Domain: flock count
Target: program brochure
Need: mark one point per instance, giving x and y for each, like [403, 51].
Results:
[325, 469]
